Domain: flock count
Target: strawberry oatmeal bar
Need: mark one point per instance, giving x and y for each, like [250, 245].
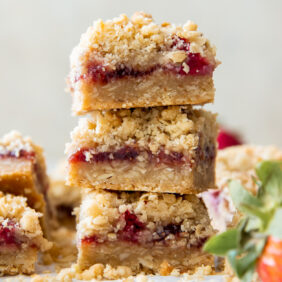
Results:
[149, 232]
[21, 236]
[126, 63]
[235, 163]
[161, 149]
[23, 169]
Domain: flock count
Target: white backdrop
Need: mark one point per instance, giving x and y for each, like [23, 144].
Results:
[37, 36]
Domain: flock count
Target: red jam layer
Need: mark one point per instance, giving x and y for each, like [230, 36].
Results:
[21, 154]
[8, 235]
[128, 154]
[198, 65]
[131, 153]
[133, 229]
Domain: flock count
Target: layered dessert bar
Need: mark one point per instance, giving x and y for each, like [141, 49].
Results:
[160, 149]
[62, 198]
[21, 236]
[126, 63]
[148, 232]
[23, 171]
[235, 163]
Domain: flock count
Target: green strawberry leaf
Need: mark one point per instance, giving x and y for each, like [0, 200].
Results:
[242, 198]
[244, 234]
[243, 262]
[220, 244]
[275, 226]
[260, 216]
[270, 176]
[244, 272]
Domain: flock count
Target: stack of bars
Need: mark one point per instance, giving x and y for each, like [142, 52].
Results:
[23, 212]
[143, 151]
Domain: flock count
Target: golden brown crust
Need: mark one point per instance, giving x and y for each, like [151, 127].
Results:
[18, 262]
[157, 89]
[143, 176]
[137, 259]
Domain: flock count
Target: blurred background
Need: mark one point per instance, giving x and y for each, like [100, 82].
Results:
[36, 39]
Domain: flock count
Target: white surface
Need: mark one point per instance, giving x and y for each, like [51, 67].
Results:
[37, 37]
[151, 278]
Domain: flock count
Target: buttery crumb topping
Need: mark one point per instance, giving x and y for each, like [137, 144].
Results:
[138, 42]
[15, 142]
[100, 211]
[15, 207]
[239, 163]
[176, 128]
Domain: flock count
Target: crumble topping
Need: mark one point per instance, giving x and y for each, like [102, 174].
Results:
[137, 42]
[239, 163]
[101, 211]
[177, 128]
[18, 218]
[15, 207]
[15, 142]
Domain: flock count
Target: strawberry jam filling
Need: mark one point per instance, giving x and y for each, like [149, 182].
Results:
[8, 236]
[194, 64]
[133, 230]
[128, 153]
[17, 154]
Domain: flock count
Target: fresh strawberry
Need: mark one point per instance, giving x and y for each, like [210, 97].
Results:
[269, 265]
[256, 243]
[227, 138]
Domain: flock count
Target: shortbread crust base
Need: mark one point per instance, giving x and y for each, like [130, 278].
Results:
[142, 176]
[138, 258]
[18, 262]
[157, 89]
